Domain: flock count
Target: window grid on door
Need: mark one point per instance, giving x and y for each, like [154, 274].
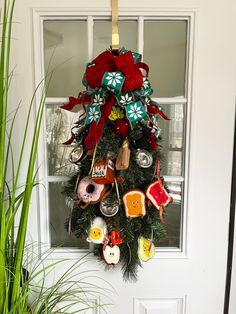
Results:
[174, 181]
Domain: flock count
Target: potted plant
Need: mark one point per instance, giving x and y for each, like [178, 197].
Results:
[21, 276]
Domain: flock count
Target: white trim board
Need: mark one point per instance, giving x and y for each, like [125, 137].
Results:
[40, 14]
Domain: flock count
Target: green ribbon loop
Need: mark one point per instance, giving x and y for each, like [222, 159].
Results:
[135, 112]
[124, 99]
[93, 113]
[113, 81]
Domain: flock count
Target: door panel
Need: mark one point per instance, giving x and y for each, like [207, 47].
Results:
[189, 278]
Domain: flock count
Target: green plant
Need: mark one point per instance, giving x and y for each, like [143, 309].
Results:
[20, 276]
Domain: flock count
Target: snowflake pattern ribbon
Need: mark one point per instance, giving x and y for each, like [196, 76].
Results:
[113, 81]
[116, 76]
[135, 112]
[93, 114]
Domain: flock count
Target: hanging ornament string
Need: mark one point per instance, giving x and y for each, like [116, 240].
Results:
[117, 191]
[93, 160]
[115, 34]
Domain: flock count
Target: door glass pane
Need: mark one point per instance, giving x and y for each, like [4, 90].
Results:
[128, 31]
[165, 53]
[65, 52]
[59, 213]
[172, 132]
[173, 219]
[58, 125]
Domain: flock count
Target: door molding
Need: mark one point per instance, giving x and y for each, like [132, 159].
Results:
[231, 265]
[39, 14]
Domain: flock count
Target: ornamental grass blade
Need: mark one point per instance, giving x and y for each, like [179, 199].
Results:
[8, 9]
[30, 180]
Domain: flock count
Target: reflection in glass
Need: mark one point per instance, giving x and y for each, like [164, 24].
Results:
[102, 35]
[174, 163]
[65, 52]
[172, 132]
[165, 53]
[173, 218]
[59, 212]
[176, 116]
[58, 125]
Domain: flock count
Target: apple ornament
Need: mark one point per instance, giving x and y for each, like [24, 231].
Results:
[111, 254]
[98, 231]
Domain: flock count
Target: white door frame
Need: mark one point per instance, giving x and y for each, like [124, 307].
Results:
[47, 13]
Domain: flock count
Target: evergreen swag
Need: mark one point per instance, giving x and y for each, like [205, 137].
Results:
[101, 138]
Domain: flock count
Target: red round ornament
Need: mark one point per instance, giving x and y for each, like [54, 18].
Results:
[122, 127]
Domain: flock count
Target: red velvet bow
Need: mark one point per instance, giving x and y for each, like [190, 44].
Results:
[107, 62]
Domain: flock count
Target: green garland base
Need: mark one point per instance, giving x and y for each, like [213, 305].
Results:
[134, 177]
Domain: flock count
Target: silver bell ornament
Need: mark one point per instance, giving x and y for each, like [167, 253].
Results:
[143, 158]
[76, 154]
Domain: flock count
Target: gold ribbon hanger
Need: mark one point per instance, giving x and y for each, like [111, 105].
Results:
[115, 33]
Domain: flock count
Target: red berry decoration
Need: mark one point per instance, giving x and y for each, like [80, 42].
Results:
[122, 127]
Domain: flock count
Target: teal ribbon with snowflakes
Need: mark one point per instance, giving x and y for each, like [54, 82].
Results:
[93, 113]
[124, 99]
[113, 81]
[135, 112]
[146, 89]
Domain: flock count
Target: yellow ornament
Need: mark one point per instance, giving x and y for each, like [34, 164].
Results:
[98, 231]
[116, 113]
[146, 249]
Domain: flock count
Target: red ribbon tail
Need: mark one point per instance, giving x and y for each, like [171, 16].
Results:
[68, 106]
[144, 66]
[161, 215]
[161, 113]
[70, 140]
[94, 134]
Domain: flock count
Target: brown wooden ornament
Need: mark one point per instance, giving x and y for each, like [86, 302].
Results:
[103, 171]
[122, 161]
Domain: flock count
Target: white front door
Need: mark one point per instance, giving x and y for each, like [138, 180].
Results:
[190, 48]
